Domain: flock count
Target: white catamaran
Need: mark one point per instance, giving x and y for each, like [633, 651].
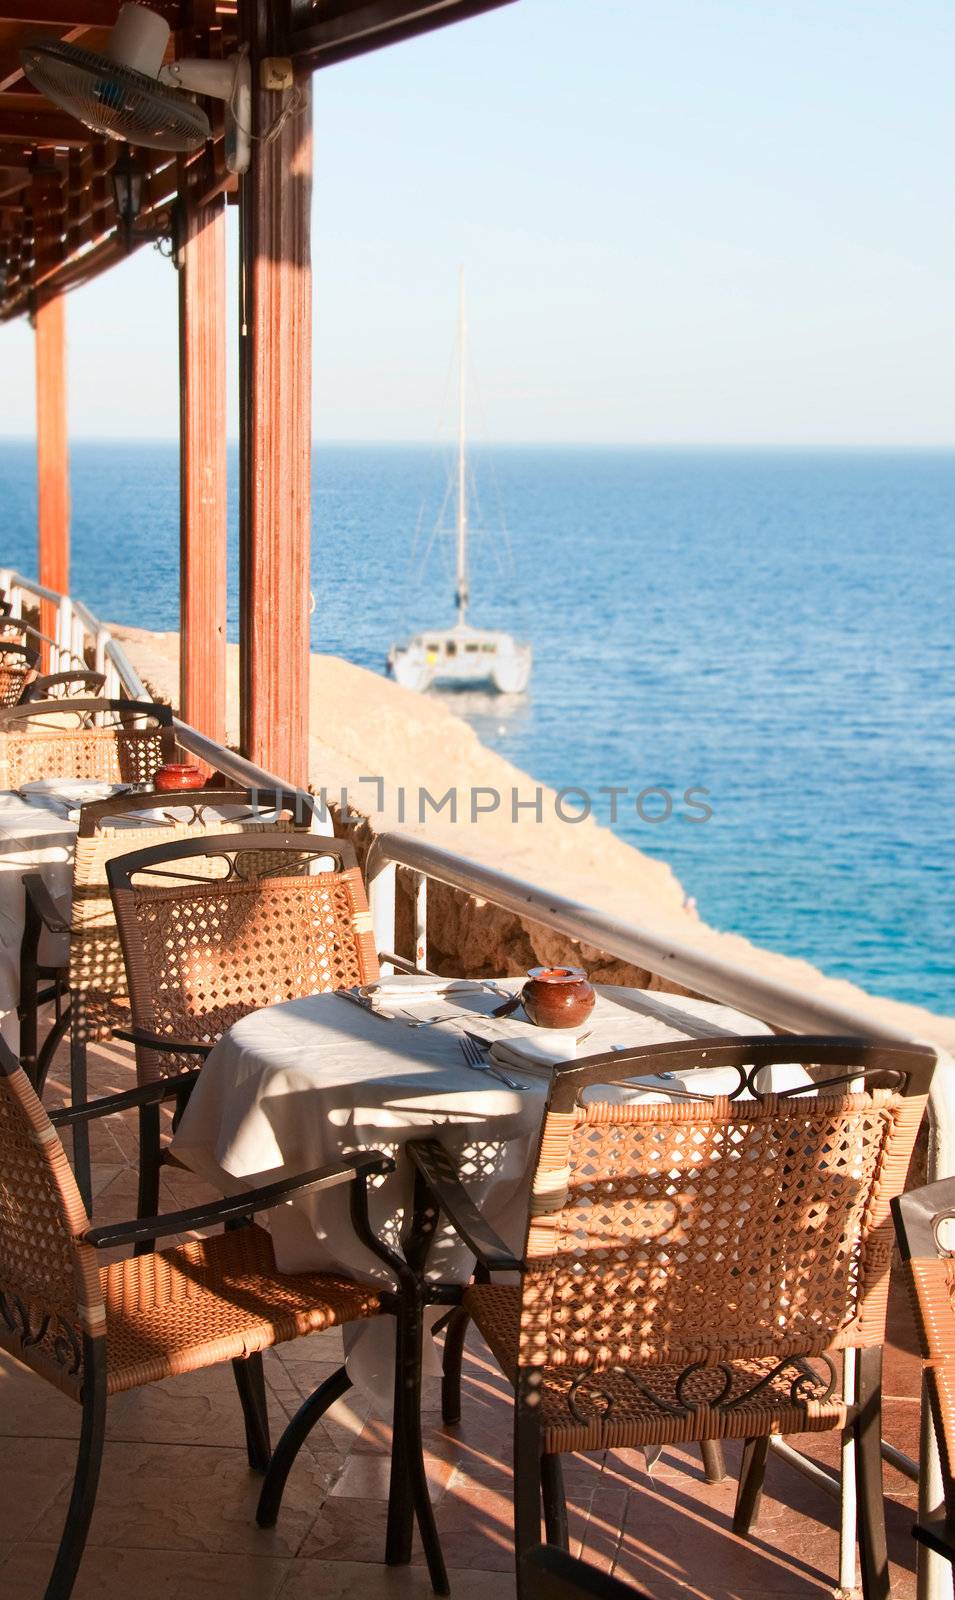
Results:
[462, 657]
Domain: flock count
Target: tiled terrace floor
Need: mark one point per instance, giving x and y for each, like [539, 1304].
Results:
[174, 1517]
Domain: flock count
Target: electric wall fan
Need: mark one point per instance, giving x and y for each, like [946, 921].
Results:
[127, 92]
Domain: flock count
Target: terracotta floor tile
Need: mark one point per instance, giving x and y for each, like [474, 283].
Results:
[348, 1530]
[31, 1408]
[147, 1575]
[199, 1408]
[184, 1497]
[367, 1477]
[33, 1474]
[342, 1580]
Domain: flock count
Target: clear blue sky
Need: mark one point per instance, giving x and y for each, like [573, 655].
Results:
[697, 221]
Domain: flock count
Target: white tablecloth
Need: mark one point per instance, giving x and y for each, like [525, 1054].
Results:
[298, 1085]
[34, 836]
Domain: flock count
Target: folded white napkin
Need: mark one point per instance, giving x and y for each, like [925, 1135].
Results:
[415, 988]
[536, 1052]
[71, 791]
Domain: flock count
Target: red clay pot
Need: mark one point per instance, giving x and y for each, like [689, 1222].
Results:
[173, 778]
[558, 997]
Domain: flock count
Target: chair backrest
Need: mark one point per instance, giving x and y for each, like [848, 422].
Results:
[108, 828]
[51, 1302]
[112, 741]
[17, 662]
[204, 951]
[930, 1273]
[72, 685]
[708, 1230]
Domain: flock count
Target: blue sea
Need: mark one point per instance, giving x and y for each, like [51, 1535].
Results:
[775, 628]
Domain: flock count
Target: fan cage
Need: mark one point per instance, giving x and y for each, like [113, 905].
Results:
[115, 100]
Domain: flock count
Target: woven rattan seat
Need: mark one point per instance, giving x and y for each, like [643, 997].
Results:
[627, 1416]
[211, 1300]
[694, 1268]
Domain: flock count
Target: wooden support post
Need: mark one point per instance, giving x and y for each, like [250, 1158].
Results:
[275, 426]
[52, 457]
[202, 469]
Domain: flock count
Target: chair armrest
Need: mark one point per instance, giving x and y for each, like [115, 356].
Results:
[439, 1174]
[148, 1094]
[240, 1207]
[42, 903]
[164, 1042]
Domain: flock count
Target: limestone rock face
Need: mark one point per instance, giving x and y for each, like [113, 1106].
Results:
[386, 757]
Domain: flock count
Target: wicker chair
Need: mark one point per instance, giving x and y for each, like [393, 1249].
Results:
[97, 1331]
[113, 741]
[691, 1268]
[930, 1273]
[203, 951]
[18, 663]
[80, 953]
[75, 684]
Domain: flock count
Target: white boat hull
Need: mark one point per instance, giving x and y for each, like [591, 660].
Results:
[462, 658]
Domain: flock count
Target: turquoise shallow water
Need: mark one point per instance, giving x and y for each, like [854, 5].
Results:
[773, 627]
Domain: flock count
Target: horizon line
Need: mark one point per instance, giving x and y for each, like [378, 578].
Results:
[318, 442]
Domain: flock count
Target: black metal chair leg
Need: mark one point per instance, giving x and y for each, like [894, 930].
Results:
[527, 1469]
[50, 1045]
[308, 1415]
[250, 1382]
[749, 1491]
[85, 1483]
[82, 1167]
[451, 1365]
[400, 1531]
[29, 1008]
[555, 1502]
[867, 1438]
[407, 1428]
[714, 1462]
[149, 1164]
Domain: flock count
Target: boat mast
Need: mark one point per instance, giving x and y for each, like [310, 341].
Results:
[462, 594]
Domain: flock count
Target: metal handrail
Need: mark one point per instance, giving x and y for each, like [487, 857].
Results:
[110, 654]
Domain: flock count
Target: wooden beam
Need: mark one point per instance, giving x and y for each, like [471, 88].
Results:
[11, 68]
[80, 13]
[39, 124]
[347, 29]
[52, 455]
[275, 414]
[202, 470]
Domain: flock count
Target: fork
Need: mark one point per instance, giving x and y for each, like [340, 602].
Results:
[474, 1056]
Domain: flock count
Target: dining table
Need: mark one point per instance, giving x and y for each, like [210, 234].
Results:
[303, 1084]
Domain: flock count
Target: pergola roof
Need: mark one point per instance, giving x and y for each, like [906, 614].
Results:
[57, 217]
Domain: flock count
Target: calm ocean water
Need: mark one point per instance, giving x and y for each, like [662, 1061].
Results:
[773, 627]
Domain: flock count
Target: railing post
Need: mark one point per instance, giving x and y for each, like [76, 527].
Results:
[382, 880]
[420, 920]
[63, 634]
